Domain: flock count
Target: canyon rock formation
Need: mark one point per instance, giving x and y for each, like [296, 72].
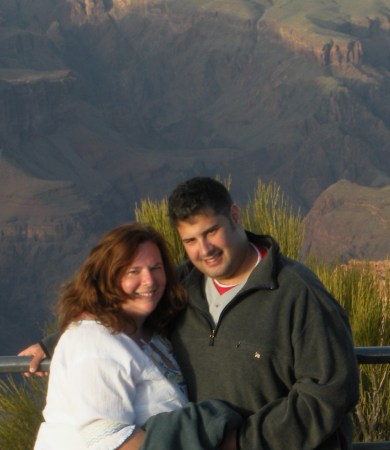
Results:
[106, 102]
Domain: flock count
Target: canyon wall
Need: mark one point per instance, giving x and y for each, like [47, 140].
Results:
[106, 102]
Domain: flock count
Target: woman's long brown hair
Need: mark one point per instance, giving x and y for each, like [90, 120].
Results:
[95, 288]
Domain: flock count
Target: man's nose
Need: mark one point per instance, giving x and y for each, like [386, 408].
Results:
[205, 247]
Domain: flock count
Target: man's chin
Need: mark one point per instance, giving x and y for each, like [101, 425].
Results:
[211, 272]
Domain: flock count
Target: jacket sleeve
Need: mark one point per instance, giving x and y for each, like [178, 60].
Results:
[197, 426]
[49, 343]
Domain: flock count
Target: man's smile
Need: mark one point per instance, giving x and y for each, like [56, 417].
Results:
[214, 259]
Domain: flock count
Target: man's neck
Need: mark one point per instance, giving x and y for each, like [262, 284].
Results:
[249, 261]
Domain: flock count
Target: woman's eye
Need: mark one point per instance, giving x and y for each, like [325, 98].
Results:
[132, 272]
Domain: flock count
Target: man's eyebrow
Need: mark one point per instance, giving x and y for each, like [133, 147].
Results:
[207, 230]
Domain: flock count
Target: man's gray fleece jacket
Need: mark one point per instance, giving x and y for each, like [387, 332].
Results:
[281, 354]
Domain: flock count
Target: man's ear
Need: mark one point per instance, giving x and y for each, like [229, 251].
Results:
[235, 214]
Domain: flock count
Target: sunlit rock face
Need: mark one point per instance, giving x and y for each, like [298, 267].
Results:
[348, 222]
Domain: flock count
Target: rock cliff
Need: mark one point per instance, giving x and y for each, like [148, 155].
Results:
[105, 102]
[349, 221]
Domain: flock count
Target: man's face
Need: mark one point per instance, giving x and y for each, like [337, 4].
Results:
[215, 244]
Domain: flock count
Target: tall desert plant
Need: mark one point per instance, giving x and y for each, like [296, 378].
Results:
[21, 404]
[269, 212]
[360, 290]
[370, 312]
[155, 213]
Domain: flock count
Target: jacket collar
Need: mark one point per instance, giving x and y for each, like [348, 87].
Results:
[264, 276]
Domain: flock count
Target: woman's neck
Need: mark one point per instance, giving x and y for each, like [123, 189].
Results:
[139, 331]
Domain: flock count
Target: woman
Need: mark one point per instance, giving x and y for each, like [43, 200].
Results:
[112, 368]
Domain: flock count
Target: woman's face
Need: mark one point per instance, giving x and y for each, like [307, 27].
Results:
[143, 282]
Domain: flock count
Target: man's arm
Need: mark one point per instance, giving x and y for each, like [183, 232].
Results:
[134, 442]
[315, 411]
[230, 441]
[39, 352]
[206, 424]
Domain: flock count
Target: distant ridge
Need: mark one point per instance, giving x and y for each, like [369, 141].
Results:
[349, 221]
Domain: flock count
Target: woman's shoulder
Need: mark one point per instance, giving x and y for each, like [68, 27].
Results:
[86, 329]
[91, 339]
[88, 347]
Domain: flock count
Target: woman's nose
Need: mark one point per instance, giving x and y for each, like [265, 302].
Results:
[147, 277]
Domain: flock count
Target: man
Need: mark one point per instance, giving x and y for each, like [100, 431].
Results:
[260, 332]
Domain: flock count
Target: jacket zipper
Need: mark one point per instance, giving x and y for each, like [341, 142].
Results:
[212, 337]
[213, 331]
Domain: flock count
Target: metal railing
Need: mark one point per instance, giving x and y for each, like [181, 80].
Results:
[373, 355]
[17, 364]
[364, 355]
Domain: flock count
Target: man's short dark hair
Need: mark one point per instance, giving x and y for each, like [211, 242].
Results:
[196, 196]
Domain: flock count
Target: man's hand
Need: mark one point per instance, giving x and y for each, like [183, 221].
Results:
[230, 441]
[36, 351]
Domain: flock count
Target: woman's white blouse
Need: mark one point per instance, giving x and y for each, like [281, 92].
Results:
[101, 386]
